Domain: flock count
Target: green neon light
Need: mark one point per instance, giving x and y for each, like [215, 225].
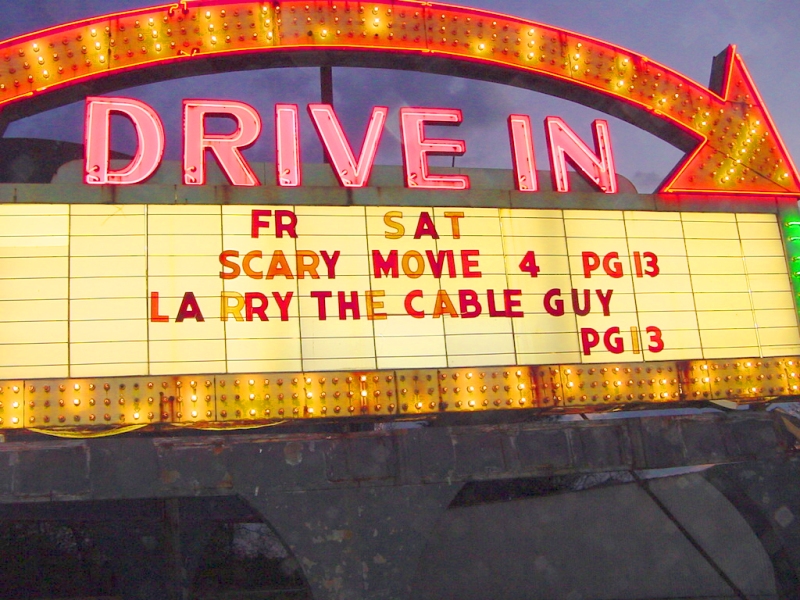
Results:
[791, 235]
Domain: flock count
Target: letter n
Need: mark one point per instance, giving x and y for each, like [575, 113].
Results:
[565, 145]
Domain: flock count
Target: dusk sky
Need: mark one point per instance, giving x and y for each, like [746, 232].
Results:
[684, 35]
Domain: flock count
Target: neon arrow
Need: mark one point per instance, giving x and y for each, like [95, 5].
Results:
[732, 144]
[740, 147]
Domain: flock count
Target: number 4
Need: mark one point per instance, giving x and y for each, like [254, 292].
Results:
[528, 264]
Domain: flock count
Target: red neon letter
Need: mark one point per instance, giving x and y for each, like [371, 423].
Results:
[287, 145]
[349, 172]
[519, 130]
[416, 148]
[97, 137]
[224, 146]
[565, 144]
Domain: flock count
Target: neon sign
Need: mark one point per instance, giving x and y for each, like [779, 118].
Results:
[731, 143]
[305, 311]
[563, 143]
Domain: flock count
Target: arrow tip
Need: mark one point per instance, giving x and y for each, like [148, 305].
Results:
[741, 151]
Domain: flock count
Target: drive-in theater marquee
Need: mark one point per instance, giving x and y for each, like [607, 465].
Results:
[274, 304]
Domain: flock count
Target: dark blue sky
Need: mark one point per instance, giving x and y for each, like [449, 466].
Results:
[684, 35]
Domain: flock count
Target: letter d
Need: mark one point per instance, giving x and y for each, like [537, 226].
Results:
[97, 139]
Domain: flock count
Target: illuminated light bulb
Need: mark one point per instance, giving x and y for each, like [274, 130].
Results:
[194, 414]
[363, 393]
[213, 39]
[363, 378]
[15, 405]
[194, 398]
[136, 415]
[14, 420]
[76, 402]
[40, 60]
[35, 49]
[521, 386]
[252, 396]
[208, 14]
[45, 74]
[309, 395]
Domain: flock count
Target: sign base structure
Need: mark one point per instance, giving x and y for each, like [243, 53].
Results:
[249, 400]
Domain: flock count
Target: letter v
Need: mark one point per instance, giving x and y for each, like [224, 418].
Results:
[349, 172]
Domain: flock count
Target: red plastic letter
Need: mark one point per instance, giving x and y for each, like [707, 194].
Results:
[224, 146]
[349, 172]
[416, 148]
[97, 137]
[565, 144]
